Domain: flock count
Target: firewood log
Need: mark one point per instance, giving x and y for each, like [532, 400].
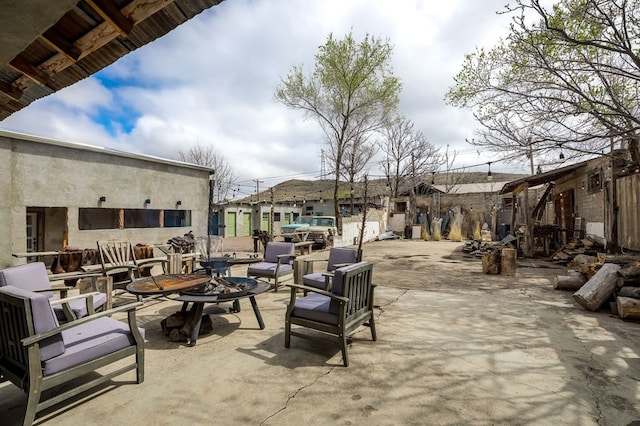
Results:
[628, 307]
[569, 282]
[599, 288]
[633, 292]
[508, 262]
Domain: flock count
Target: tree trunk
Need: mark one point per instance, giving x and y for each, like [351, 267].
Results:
[599, 288]
[628, 307]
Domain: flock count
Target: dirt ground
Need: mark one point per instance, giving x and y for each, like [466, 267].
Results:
[455, 347]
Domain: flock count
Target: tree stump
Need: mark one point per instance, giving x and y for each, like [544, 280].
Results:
[599, 288]
[628, 307]
[491, 263]
[508, 262]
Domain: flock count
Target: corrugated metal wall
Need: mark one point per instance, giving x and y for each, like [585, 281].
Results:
[628, 218]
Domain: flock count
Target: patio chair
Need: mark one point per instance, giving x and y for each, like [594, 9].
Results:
[34, 277]
[119, 261]
[338, 257]
[278, 263]
[38, 354]
[338, 312]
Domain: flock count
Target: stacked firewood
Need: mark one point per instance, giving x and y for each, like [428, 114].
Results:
[589, 246]
[604, 278]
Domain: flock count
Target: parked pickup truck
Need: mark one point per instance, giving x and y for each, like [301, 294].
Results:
[319, 229]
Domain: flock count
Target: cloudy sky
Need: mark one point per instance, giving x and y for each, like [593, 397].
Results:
[211, 82]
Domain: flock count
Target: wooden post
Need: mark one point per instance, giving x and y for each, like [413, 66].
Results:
[491, 263]
[508, 262]
[599, 288]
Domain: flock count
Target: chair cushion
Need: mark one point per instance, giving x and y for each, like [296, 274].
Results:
[30, 276]
[43, 320]
[267, 269]
[316, 280]
[315, 307]
[274, 249]
[79, 307]
[90, 341]
[339, 255]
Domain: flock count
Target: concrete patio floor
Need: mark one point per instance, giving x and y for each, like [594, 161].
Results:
[455, 346]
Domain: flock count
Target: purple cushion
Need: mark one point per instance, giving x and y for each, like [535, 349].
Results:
[317, 280]
[90, 341]
[339, 255]
[274, 249]
[315, 307]
[267, 269]
[79, 306]
[31, 276]
[43, 320]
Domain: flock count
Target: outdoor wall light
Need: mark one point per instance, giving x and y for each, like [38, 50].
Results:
[102, 199]
[178, 203]
[147, 201]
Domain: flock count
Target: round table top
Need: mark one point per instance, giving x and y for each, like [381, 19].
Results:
[260, 287]
[168, 283]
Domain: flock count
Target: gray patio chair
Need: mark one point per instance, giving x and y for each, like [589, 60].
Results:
[33, 277]
[278, 263]
[38, 354]
[338, 312]
[338, 257]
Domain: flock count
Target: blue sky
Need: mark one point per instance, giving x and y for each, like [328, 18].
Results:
[211, 82]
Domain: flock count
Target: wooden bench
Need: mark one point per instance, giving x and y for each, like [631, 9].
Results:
[304, 246]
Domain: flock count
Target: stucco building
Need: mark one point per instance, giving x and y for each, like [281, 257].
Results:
[57, 193]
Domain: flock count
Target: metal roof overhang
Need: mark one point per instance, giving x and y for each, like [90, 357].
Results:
[518, 185]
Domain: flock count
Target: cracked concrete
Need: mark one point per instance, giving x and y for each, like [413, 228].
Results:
[455, 346]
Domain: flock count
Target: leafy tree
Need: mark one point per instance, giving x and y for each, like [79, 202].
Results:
[224, 176]
[568, 81]
[351, 93]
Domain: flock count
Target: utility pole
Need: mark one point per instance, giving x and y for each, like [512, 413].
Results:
[258, 182]
[323, 171]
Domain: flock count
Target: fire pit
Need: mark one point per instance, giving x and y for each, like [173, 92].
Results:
[223, 287]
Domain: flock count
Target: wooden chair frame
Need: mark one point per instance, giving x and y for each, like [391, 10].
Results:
[21, 364]
[355, 308]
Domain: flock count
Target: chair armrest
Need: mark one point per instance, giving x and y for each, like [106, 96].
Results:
[286, 256]
[341, 265]
[318, 291]
[28, 341]
[75, 297]
[155, 260]
[108, 268]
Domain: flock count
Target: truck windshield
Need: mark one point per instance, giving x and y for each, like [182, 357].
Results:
[303, 220]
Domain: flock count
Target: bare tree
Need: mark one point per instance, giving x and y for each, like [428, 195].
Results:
[409, 157]
[224, 176]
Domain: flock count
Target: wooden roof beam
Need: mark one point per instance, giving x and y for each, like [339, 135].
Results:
[61, 45]
[10, 90]
[112, 15]
[20, 64]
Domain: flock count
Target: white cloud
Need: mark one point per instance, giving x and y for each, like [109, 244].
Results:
[211, 81]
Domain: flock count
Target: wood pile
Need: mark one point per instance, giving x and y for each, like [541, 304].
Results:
[588, 246]
[604, 280]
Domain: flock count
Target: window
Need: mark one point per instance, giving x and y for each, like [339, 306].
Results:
[276, 216]
[177, 218]
[594, 181]
[101, 218]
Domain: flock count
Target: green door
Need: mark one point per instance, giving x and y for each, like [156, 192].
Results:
[265, 222]
[246, 224]
[231, 224]
[287, 218]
